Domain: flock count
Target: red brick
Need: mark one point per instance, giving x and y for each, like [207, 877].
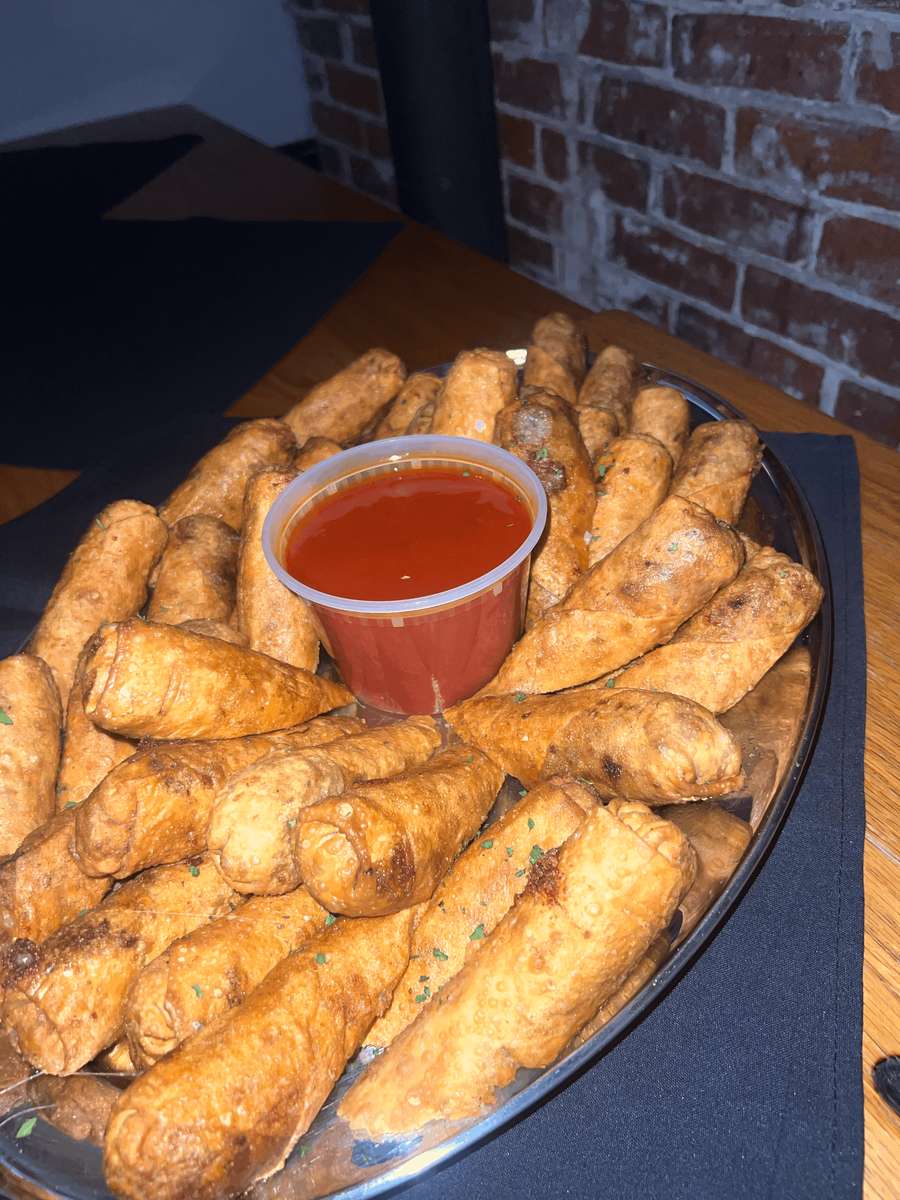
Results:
[364, 51]
[508, 16]
[737, 215]
[665, 258]
[338, 125]
[848, 161]
[626, 32]
[872, 412]
[878, 72]
[354, 89]
[516, 139]
[365, 176]
[862, 337]
[378, 141]
[529, 83]
[623, 180]
[320, 35]
[774, 55]
[663, 120]
[761, 357]
[554, 155]
[528, 251]
[863, 255]
[535, 205]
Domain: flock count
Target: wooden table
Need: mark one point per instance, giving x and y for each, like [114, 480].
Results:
[426, 297]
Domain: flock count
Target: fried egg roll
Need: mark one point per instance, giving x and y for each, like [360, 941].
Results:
[343, 406]
[717, 467]
[88, 753]
[313, 451]
[419, 390]
[215, 629]
[726, 648]
[629, 602]
[30, 723]
[559, 336]
[633, 477]
[643, 970]
[597, 427]
[590, 911]
[216, 483]
[479, 384]
[385, 846]
[610, 383]
[478, 891]
[117, 1059]
[542, 370]
[67, 1003]
[195, 577]
[540, 430]
[214, 969]
[155, 807]
[160, 681]
[424, 418]
[227, 1107]
[663, 413]
[105, 579]
[251, 831]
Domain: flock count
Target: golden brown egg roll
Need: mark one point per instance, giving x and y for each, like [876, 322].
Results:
[478, 891]
[726, 648]
[610, 383]
[155, 807]
[717, 467]
[424, 418]
[215, 629]
[67, 1003]
[663, 413]
[385, 846]
[544, 371]
[343, 406]
[105, 579]
[250, 834]
[160, 681]
[633, 477]
[559, 336]
[227, 1107]
[590, 911]
[420, 389]
[196, 574]
[632, 600]
[116, 1059]
[214, 969]
[274, 620]
[14, 1075]
[314, 451]
[89, 753]
[597, 427]
[479, 384]
[30, 725]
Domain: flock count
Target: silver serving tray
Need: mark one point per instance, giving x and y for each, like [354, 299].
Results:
[777, 725]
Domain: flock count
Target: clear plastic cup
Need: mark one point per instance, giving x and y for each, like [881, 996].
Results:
[422, 654]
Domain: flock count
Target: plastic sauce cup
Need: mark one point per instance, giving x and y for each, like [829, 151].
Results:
[422, 654]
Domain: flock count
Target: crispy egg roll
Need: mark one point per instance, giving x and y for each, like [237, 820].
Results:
[228, 1106]
[478, 385]
[343, 406]
[65, 999]
[638, 745]
[717, 467]
[629, 602]
[480, 889]
[663, 413]
[419, 390]
[105, 579]
[214, 969]
[385, 846]
[160, 681]
[610, 383]
[424, 418]
[155, 807]
[314, 451]
[542, 370]
[30, 723]
[274, 620]
[643, 970]
[250, 834]
[559, 336]
[597, 427]
[633, 477]
[195, 580]
[116, 1059]
[89, 753]
[590, 911]
[726, 648]
[215, 629]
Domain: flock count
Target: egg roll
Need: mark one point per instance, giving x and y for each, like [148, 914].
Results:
[717, 467]
[643, 970]
[590, 911]
[30, 723]
[155, 807]
[479, 890]
[629, 602]
[663, 413]
[67, 1003]
[597, 427]
[419, 390]
[250, 834]
[214, 969]
[105, 579]
[380, 847]
[723, 651]
[424, 418]
[116, 1059]
[160, 681]
[479, 384]
[314, 451]
[559, 336]
[542, 370]
[196, 574]
[228, 1106]
[343, 406]
[633, 477]
[274, 620]
[610, 383]
[14, 1076]
[215, 629]
[88, 752]
[540, 430]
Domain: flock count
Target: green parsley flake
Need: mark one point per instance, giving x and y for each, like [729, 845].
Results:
[100, 524]
[195, 871]
[5, 718]
[672, 547]
[610, 683]
[536, 853]
[602, 469]
[330, 919]
[523, 791]
[421, 998]
[71, 804]
[466, 474]
[198, 990]
[302, 1151]
[470, 758]
[781, 575]
[26, 1128]
[291, 822]
[477, 934]
[321, 958]
[509, 851]
[520, 873]
[530, 823]
[542, 454]
[424, 978]
[487, 843]
[439, 954]
[520, 697]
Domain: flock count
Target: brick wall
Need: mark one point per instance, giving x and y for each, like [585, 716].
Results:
[729, 169]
